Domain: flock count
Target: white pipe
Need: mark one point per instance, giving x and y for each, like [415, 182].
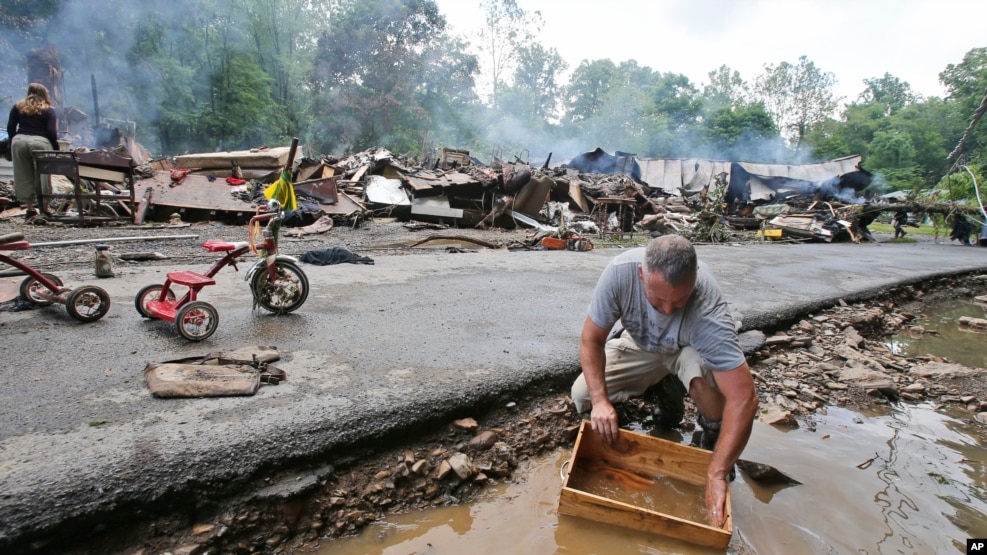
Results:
[112, 240]
[977, 190]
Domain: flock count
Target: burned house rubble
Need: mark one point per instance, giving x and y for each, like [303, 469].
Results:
[593, 194]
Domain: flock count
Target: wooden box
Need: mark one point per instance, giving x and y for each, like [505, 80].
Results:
[643, 483]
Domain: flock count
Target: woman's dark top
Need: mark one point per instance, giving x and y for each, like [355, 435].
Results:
[42, 124]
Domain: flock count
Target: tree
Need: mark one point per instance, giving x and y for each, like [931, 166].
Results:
[242, 112]
[966, 86]
[536, 94]
[888, 91]
[508, 28]
[725, 88]
[797, 96]
[370, 79]
[674, 97]
[589, 84]
[277, 31]
[741, 133]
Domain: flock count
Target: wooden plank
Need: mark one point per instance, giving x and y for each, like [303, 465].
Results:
[195, 191]
[359, 173]
[142, 206]
[259, 158]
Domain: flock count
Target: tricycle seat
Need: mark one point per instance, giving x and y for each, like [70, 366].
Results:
[221, 246]
[190, 279]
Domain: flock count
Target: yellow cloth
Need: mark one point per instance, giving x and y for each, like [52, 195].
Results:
[283, 191]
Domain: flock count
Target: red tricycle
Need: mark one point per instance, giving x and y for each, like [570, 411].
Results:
[277, 282]
[86, 304]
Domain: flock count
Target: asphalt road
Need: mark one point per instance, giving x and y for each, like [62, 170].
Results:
[376, 349]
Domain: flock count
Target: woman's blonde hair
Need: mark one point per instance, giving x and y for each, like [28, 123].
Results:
[36, 101]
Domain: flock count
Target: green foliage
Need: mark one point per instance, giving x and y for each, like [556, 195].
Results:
[889, 92]
[241, 112]
[377, 77]
[959, 186]
[798, 96]
[737, 133]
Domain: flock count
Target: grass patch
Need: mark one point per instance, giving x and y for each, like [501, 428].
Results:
[922, 229]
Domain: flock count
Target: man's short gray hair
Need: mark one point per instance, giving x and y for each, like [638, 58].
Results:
[673, 256]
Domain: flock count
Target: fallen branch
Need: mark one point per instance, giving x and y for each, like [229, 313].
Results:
[456, 238]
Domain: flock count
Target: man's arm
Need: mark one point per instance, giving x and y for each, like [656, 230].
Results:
[739, 411]
[592, 357]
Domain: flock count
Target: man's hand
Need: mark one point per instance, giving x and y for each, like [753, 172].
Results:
[604, 420]
[716, 497]
[603, 416]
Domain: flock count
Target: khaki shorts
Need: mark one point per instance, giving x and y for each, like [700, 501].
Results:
[630, 370]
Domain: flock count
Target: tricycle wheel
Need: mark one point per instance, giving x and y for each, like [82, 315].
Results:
[150, 293]
[285, 293]
[196, 320]
[33, 291]
[88, 303]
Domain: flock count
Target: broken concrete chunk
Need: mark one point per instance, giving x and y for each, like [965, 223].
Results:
[444, 469]
[778, 416]
[852, 337]
[461, 465]
[914, 388]
[466, 423]
[972, 324]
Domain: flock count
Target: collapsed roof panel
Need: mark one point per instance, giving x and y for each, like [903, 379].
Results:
[255, 158]
[678, 177]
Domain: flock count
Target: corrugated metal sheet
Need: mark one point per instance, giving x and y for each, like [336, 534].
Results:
[6, 171]
[675, 175]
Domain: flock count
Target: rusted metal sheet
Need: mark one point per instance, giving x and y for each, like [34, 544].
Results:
[323, 190]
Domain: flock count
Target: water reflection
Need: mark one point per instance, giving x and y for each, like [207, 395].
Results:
[963, 347]
[923, 491]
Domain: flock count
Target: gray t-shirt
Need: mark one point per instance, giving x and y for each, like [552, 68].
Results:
[702, 323]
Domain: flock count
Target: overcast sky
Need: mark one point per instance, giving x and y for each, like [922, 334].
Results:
[913, 40]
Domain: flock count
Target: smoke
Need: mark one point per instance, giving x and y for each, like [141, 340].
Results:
[833, 188]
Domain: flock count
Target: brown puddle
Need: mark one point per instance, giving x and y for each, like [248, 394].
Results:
[944, 335]
[912, 480]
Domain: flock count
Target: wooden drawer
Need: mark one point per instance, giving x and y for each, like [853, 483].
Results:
[643, 483]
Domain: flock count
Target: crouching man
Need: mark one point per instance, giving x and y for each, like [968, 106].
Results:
[673, 322]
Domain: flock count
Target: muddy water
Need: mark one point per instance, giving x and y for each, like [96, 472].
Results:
[963, 347]
[911, 480]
